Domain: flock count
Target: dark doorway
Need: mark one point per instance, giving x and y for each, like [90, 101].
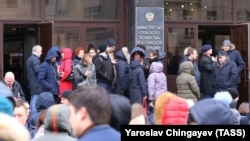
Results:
[238, 34]
[18, 43]
[213, 35]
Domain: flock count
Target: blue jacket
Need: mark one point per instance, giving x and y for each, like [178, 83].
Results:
[48, 75]
[137, 82]
[122, 73]
[226, 76]
[100, 133]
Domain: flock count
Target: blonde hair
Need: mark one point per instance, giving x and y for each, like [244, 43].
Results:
[87, 59]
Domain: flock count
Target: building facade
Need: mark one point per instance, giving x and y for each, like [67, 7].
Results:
[74, 23]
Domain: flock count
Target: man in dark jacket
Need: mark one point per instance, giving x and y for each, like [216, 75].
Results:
[104, 67]
[14, 86]
[32, 66]
[207, 71]
[234, 56]
[225, 71]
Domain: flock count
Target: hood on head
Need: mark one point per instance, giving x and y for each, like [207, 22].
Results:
[159, 106]
[54, 51]
[187, 67]
[156, 67]
[136, 49]
[67, 53]
[217, 113]
[57, 119]
[44, 101]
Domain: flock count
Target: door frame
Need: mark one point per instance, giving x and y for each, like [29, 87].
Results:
[240, 36]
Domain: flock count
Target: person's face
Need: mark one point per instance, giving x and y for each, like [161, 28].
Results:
[20, 114]
[39, 52]
[92, 52]
[9, 81]
[152, 56]
[222, 59]
[210, 51]
[75, 120]
[111, 49]
[53, 59]
[64, 101]
[226, 48]
[138, 57]
[27, 108]
[194, 55]
[81, 54]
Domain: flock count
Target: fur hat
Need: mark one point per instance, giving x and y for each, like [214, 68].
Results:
[206, 47]
[111, 42]
[102, 47]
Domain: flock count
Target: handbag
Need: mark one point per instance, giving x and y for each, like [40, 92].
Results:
[71, 75]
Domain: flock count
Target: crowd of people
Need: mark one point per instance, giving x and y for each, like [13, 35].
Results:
[87, 95]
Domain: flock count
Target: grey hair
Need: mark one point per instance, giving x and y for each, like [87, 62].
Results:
[35, 47]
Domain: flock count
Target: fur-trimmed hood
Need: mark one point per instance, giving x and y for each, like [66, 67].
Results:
[170, 109]
[12, 130]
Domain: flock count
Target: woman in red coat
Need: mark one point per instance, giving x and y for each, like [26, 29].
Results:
[65, 70]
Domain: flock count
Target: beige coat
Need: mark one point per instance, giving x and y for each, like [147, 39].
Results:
[186, 83]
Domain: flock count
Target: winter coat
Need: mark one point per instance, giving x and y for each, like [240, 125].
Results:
[122, 72]
[76, 60]
[48, 74]
[81, 79]
[207, 75]
[104, 69]
[157, 81]
[170, 109]
[137, 82]
[186, 84]
[32, 64]
[66, 67]
[225, 76]
[196, 71]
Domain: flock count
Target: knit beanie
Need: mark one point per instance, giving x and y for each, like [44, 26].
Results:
[102, 47]
[111, 42]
